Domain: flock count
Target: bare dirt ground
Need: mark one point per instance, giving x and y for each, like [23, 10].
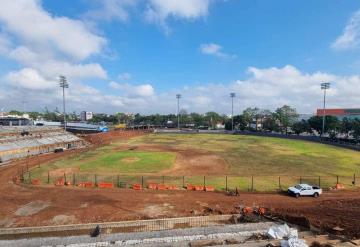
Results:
[36, 206]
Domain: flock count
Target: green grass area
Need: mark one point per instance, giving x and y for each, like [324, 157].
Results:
[253, 155]
[264, 158]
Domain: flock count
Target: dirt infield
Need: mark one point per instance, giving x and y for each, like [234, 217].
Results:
[35, 206]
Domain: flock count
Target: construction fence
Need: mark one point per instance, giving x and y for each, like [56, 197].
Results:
[208, 183]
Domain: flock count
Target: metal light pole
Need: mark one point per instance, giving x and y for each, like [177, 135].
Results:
[63, 84]
[324, 86]
[178, 96]
[232, 95]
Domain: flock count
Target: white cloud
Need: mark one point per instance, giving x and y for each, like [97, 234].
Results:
[130, 90]
[351, 35]
[125, 76]
[158, 11]
[29, 78]
[215, 50]
[267, 88]
[109, 10]
[27, 20]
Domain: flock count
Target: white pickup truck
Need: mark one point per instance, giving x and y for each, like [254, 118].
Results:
[304, 190]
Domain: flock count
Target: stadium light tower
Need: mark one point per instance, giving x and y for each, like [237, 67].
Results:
[324, 86]
[63, 84]
[178, 96]
[232, 95]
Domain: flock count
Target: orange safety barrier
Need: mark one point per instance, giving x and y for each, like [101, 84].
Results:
[190, 187]
[68, 183]
[247, 210]
[199, 187]
[106, 185]
[152, 186]
[85, 184]
[339, 186]
[172, 187]
[60, 182]
[209, 188]
[137, 186]
[35, 182]
[161, 187]
[261, 211]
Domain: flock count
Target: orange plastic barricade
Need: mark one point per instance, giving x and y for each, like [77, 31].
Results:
[137, 186]
[209, 188]
[152, 186]
[247, 210]
[172, 187]
[68, 183]
[35, 182]
[60, 182]
[105, 185]
[199, 187]
[339, 186]
[161, 187]
[88, 184]
[262, 211]
[190, 187]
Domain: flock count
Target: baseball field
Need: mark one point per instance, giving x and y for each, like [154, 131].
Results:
[248, 161]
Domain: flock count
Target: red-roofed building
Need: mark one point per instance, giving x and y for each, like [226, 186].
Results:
[340, 113]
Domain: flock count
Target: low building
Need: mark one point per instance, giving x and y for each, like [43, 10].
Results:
[14, 121]
[351, 113]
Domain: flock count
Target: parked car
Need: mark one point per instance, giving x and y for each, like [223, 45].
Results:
[304, 190]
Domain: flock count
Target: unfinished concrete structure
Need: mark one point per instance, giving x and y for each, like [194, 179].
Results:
[18, 142]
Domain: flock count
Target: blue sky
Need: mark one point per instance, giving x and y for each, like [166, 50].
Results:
[135, 55]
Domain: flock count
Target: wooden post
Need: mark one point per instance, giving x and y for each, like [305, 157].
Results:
[48, 177]
[95, 180]
[142, 181]
[118, 181]
[279, 183]
[354, 179]
[183, 181]
[74, 181]
[252, 183]
[337, 179]
[319, 181]
[226, 183]
[64, 177]
[204, 182]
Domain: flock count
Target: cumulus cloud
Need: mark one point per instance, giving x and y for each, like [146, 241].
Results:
[214, 50]
[29, 78]
[33, 25]
[158, 11]
[351, 35]
[130, 90]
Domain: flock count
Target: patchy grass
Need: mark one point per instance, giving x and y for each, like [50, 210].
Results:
[253, 155]
[264, 158]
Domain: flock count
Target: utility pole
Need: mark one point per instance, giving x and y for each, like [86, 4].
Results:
[63, 84]
[232, 95]
[324, 86]
[178, 96]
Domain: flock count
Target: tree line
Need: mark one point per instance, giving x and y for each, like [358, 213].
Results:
[283, 120]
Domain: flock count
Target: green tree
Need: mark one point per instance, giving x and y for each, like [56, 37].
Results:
[301, 127]
[286, 116]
